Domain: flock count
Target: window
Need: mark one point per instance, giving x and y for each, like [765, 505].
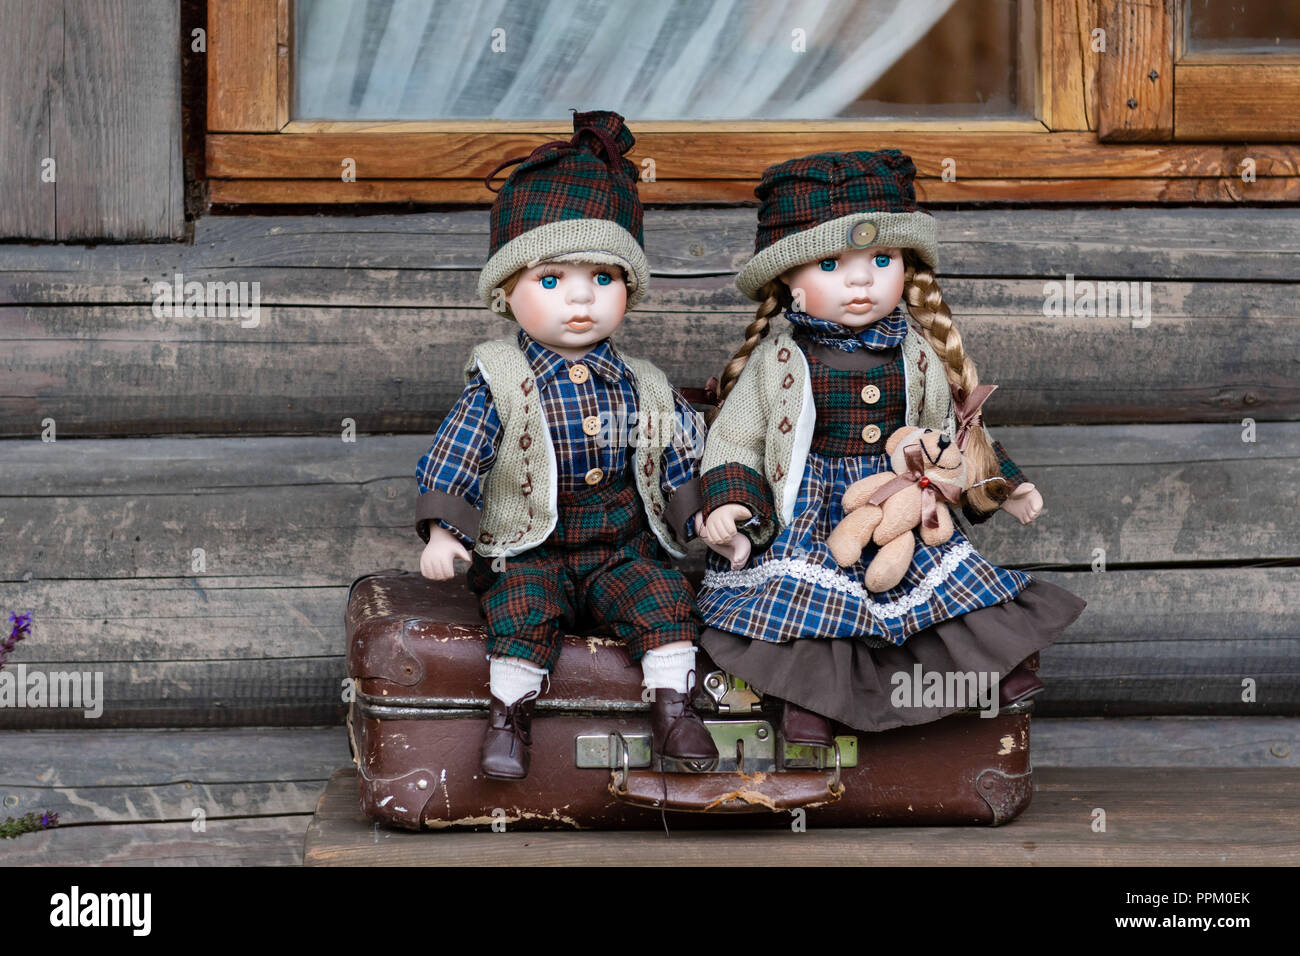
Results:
[996, 100]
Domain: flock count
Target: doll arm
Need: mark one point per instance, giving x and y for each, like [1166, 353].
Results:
[1009, 470]
[449, 473]
[733, 456]
[680, 481]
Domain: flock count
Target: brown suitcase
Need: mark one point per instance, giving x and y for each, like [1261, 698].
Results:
[417, 659]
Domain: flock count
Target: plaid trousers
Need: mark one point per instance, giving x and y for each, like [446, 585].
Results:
[601, 567]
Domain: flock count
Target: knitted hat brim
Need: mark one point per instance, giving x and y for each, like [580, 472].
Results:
[904, 230]
[602, 241]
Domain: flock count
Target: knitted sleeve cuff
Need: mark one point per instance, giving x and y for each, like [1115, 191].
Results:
[455, 514]
[735, 484]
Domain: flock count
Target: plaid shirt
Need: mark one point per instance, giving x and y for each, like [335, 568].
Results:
[464, 447]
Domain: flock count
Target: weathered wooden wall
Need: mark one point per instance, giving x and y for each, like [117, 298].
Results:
[1133, 434]
[95, 87]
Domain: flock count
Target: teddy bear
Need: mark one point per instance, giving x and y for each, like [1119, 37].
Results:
[885, 508]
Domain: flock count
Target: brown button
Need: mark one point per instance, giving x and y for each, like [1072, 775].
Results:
[594, 476]
[870, 394]
[578, 374]
[862, 233]
[591, 424]
[871, 434]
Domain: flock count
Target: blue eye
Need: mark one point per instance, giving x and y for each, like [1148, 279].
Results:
[882, 261]
[603, 278]
[828, 265]
[549, 282]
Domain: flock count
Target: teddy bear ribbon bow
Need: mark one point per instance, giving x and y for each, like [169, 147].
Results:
[968, 411]
[931, 488]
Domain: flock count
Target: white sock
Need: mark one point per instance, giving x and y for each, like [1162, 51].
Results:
[670, 669]
[512, 678]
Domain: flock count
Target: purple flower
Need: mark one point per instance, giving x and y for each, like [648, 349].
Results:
[11, 829]
[20, 628]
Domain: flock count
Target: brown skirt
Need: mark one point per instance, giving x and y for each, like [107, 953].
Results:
[850, 682]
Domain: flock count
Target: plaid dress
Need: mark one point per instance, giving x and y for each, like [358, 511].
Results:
[794, 589]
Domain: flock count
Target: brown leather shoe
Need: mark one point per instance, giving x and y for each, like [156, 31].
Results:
[677, 730]
[1020, 684]
[508, 737]
[799, 726]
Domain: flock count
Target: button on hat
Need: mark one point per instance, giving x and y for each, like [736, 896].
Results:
[816, 206]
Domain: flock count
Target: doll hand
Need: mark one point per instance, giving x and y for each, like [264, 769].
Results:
[721, 526]
[1025, 503]
[736, 550]
[437, 561]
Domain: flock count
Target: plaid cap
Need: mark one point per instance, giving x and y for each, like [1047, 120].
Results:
[818, 206]
[570, 200]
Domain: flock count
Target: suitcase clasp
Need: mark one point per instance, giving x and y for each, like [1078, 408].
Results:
[730, 694]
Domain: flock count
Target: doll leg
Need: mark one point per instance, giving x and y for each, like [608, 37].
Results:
[525, 606]
[635, 597]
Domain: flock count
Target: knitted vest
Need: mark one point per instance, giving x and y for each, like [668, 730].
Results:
[520, 493]
[768, 419]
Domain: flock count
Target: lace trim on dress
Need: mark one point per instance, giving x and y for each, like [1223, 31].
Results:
[828, 578]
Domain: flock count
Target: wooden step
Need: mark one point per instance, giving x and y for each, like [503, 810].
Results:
[1153, 817]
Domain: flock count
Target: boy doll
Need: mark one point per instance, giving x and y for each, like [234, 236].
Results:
[565, 522]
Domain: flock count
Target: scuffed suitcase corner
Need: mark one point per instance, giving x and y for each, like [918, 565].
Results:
[399, 801]
[1006, 794]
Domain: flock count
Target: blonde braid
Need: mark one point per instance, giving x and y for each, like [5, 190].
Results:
[776, 297]
[925, 302]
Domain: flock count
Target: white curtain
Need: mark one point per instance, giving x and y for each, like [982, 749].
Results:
[672, 60]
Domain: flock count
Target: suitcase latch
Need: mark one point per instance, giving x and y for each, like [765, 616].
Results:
[731, 694]
[746, 746]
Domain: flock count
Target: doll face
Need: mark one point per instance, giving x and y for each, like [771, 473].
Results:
[569, 306]
[854, 288]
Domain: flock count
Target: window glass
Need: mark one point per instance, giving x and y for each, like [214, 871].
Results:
[672, 60]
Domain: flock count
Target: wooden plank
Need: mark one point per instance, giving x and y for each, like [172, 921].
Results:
[735, 156]
[283, 62]
[31, 53]
[1135, 75]
[280, 692]
[115, 122]
[1163, 503]
[1166, 742]
[1149, 642]
[257, 841]
[1177, 493]
[234, 651]
[1154, 817]
[154, 776]
[243, 66]
[200, 618]
[1211, 352]
[235, 192]
[1133, 243]
[1069, 65]
[1220, 101]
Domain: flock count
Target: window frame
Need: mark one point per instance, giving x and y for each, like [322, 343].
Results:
[1103, 129]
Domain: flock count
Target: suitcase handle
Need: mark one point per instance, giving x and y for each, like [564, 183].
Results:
[725, 792]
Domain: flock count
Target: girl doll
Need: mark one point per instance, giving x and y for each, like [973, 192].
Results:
[565, 521]
[841, 247]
